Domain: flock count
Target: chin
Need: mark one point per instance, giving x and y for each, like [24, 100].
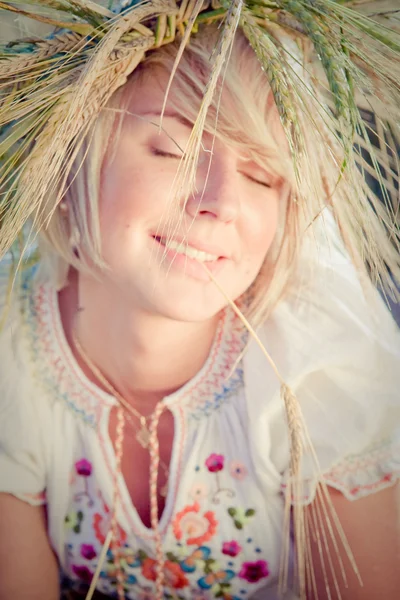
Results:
[190, 311]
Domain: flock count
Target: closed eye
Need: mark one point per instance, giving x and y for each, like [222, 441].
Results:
[164, 154]
[263, 182]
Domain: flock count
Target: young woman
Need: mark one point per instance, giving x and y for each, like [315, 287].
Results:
[144, 440]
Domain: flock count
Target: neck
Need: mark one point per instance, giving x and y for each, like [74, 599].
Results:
[145, 357]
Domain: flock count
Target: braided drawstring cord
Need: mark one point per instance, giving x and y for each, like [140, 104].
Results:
[119, 440]
[154, 465]
[112, 538]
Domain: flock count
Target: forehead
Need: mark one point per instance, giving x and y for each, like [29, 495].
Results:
[146, 94]
[241, 97]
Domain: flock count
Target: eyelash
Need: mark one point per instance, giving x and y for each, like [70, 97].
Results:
[257, 181]
[158, 152]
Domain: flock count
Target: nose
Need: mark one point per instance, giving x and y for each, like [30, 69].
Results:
[217, 195]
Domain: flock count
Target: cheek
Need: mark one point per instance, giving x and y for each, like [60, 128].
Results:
[260, 233]
[124, 199]
[264, 225]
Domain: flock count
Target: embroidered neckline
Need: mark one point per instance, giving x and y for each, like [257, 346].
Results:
[216, 381]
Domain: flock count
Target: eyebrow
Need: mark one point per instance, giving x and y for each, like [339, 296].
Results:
[170, 114]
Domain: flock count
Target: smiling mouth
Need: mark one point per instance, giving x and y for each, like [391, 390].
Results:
[187, 250]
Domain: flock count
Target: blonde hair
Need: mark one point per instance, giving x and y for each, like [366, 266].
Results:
[244, 116]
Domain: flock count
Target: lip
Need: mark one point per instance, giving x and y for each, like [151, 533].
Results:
[190, 266]
[197, 245]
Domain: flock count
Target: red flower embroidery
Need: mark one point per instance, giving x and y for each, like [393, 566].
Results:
[231, 548]
[215, 463]
[195, 528]
[174, 575]
[83, 467]
[254, 571]
[101, 526]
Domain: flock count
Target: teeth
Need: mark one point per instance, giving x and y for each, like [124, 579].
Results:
[189, 251]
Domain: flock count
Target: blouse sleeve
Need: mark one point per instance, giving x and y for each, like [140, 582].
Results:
[22, 418]
[338, 348]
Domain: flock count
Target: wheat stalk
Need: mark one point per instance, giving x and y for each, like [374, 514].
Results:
[272, 63]
[81, 28]
[46, 49]
[331, 57]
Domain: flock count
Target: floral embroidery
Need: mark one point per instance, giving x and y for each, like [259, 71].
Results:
[174, 576]
[241, 516]
[219, 577]
[83, 467]
[231, 548]
[193, 527]
[127, 561]
[88, 551]
[238, 470]
[215, 463]
[199, 491]
[198, 558]
[84, 573]
[110, 573]
[254, 571]
[101, 527]
[211, 577]
[73, 521]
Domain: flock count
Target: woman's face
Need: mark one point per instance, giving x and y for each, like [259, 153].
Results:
[157, 251]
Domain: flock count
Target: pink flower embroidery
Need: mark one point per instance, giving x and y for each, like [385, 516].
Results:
[231, 548]
[83, 467]
[82, 572]
[88, 551]
[238, 470]
[215, 463]
[254, 571]
[199, 491]
[195, 528]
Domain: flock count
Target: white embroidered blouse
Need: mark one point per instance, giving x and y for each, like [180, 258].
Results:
[222, 524]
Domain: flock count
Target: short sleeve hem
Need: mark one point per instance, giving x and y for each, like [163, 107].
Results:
[358, 476]
[32, 499]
